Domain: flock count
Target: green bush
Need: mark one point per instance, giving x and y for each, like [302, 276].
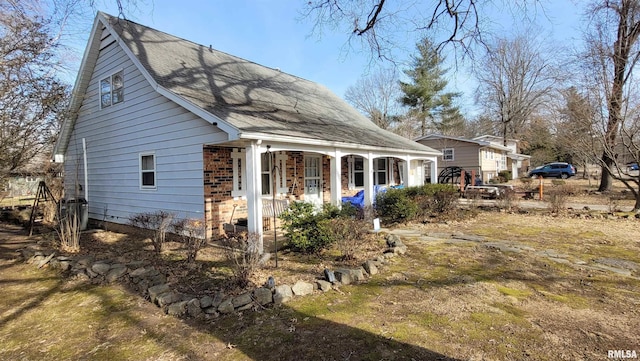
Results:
[309, 230]
[395, 205]
[505, 175]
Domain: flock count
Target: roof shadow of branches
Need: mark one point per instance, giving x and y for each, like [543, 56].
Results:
[251, 97]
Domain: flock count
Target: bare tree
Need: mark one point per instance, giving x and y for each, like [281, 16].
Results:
[376, 95]
[32, 99]
[612, 53]
[515, 79]
[376, 23]
[575, 136]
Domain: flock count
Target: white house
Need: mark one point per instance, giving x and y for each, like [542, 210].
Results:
[157, 122]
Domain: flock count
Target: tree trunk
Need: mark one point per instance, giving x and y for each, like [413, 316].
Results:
[605, 177]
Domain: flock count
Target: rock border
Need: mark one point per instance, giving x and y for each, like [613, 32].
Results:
[150, 283]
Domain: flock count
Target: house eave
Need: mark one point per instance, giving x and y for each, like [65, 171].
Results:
[316, 143]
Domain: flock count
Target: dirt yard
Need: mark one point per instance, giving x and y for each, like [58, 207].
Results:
[499, 286]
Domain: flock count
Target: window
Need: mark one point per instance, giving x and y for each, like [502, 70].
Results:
[356, 172]
[148, 171]
[401, 171]
[447, 154]
[380, 171]
[265, 173]
[112, 90]
[238, 159]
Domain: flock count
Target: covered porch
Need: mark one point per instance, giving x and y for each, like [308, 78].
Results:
[241, 180]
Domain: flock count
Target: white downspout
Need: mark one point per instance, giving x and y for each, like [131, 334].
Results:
[86, 172]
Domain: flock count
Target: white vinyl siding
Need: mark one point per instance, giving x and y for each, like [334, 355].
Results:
[116, 136]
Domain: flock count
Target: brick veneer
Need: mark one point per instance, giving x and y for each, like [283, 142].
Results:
[218, 184]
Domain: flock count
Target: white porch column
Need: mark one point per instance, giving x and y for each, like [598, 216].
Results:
[336, 178]
[254, 193]
[406, 171]
[368, 180]
[434, 170]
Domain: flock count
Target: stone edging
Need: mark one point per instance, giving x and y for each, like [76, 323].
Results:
[148, 281]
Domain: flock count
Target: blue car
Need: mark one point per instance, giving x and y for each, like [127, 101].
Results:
[554, 170]
[633, 166]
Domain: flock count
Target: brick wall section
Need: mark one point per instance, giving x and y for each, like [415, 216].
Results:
[218, 184]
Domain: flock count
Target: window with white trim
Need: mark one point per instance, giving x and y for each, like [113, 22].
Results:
[112, 89]
[238, 159]
[147, 171]
[356, 172]
[380, 171]
[265, 173]
[448, 154]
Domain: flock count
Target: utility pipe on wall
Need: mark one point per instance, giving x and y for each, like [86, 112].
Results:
[86, 172]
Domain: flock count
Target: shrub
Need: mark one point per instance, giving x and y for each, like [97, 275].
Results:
[508, 200]
[557, 197]
[505, 175]
[192, 233]
[395, 205]
[242, 253]
[306, 228]
[156, 224]
[349, 234]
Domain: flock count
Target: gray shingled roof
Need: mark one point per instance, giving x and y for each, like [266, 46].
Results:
[250, 97]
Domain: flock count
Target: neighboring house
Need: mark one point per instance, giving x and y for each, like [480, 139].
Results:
[160, 123]
[517, 163]
[482, 155]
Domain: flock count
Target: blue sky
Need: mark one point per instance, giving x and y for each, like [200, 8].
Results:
[273, 33]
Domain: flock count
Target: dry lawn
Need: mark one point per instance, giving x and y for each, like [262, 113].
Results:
[444, 300]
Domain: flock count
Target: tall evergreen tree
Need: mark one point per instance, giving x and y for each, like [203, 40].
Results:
[425, 93]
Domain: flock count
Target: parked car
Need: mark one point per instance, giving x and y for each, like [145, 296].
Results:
[633, 166]
[556, 169]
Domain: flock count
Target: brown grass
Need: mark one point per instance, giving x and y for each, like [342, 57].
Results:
[444, 300]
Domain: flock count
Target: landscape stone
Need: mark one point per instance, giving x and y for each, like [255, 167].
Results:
[370, 267]
[101, 268]
[344, 276]
[388, 255]
[168, 298]
[156, 291]
[84, 260]
[65, 265]
[282, 294]
[194, 309]
[177, 309]
[400, 249]
[226, 306]
[242, 300]
[323, 285]
[138, 272]
[329, 275]
[115, 273]
[263, 296]
[206, 301]
[211, 310]
[218, 297]
[393, 240]
[302, 288]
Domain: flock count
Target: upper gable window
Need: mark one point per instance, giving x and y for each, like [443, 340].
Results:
[112, 89]
[447, 154]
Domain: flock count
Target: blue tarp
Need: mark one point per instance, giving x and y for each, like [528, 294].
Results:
[358, 199]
